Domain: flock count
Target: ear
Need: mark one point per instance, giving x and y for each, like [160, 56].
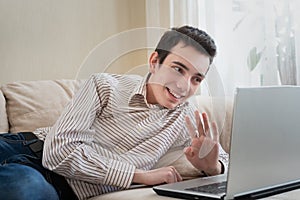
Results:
[153, 61]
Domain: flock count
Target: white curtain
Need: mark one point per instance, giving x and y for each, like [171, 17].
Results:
[258, 40]
[170, 13]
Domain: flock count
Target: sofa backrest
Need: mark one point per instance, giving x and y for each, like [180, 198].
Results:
[34, 104]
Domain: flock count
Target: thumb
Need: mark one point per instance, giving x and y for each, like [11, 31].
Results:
[188, 151]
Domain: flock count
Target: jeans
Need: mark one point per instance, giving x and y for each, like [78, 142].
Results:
[22, 175]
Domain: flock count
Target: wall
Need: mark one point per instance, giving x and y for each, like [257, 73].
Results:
[47, 39]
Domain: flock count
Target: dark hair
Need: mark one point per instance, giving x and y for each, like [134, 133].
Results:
[191, 37]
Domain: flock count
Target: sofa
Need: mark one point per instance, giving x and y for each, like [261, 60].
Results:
[28, 105]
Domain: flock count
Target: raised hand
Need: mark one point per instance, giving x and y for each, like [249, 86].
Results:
[204, 150]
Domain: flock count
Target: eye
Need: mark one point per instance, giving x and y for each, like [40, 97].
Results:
[178, 69]
[197, 79]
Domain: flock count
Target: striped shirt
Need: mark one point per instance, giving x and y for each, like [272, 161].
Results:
[107, 131]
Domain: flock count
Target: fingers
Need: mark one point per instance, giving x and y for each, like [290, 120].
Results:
[206, 124]
[206, 147]
[190, 127]
[188, 151]
[167, 174]
[173, 175]
[195, 132]
[178, 176]
[215, 132]
[203, 128]
[199, 123]
[209, 144]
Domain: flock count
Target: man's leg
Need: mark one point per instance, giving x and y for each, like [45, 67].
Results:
[18, 177]
[19, 182]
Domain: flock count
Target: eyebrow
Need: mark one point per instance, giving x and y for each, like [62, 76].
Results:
[186, 68]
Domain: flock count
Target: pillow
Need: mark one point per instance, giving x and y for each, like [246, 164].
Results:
[3, 116]
[35, 104]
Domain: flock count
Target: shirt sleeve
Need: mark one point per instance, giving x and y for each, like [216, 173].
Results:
[68, 150]
[41, 133]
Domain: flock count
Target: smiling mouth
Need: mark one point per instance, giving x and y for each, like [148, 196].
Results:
[177, 96]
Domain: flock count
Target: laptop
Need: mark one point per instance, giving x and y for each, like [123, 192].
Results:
[264, 149]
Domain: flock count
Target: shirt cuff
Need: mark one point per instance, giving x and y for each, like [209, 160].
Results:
[223, 167]
[119, 174]
[223, 159]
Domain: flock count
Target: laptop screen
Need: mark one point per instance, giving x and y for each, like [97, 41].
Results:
[265, 139]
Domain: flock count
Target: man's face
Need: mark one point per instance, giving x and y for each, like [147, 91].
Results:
[178, 77]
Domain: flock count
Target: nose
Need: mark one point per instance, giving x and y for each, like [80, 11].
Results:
[183, 84]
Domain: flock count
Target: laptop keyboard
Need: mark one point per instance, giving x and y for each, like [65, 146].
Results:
[215, 188]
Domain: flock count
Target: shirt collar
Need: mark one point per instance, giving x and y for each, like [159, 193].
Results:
[140, 90]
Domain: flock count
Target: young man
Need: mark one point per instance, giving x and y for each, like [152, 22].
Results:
[118, 126]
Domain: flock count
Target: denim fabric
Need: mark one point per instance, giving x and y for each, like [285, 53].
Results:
[21, 172]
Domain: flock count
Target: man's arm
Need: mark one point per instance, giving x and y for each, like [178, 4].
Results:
[68, 150]
[157, 176]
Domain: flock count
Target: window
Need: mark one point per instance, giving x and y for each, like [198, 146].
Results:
[258, 40]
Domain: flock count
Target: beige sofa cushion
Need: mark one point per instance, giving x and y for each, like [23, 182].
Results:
[34, 104]
[3, 117]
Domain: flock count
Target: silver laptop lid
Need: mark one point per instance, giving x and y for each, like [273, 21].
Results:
[265, 141]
